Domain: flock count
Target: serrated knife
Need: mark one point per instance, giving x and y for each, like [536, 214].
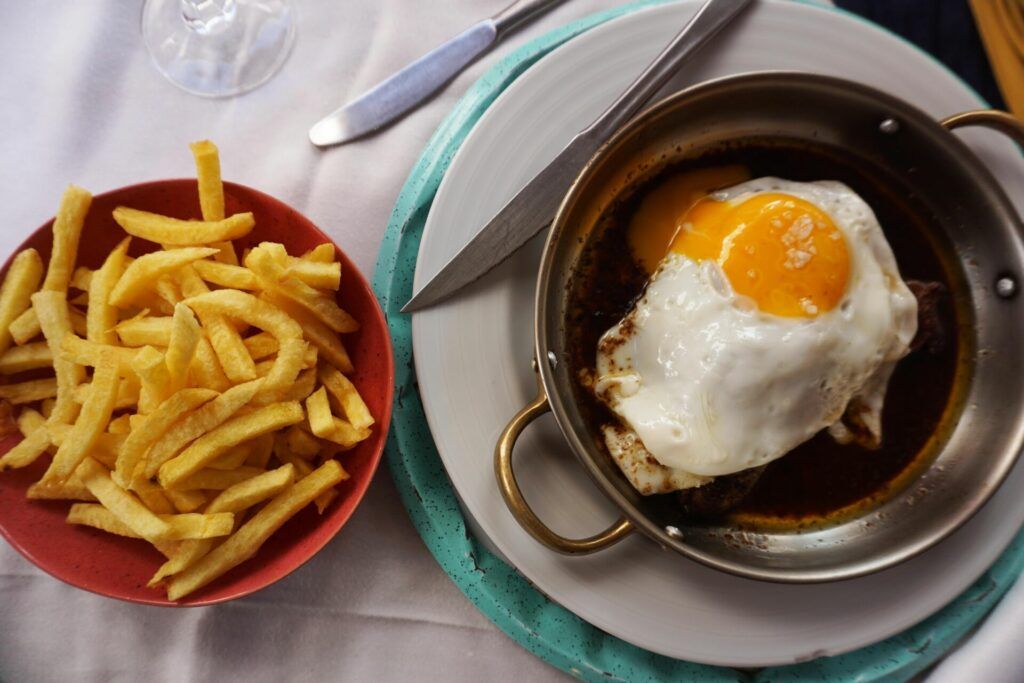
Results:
[411, 86]
[533, 207]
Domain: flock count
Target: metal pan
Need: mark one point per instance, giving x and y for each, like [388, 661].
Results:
[980, 236]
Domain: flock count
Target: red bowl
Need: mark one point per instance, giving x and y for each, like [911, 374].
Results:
[120, 567]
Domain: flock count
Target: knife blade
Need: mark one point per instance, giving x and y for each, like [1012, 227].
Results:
[533, 207]
[413, 84]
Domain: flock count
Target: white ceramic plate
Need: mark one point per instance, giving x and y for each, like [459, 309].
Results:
[473, 357]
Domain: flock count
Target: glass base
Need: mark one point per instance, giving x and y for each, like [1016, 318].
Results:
[218, 48]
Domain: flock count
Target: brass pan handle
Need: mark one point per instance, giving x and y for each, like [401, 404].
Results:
[518, 506]
[1001, 121]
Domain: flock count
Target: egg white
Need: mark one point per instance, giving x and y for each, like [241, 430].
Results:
[708, 385]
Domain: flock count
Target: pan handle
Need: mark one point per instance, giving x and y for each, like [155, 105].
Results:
[1004, 122]
[518, 506]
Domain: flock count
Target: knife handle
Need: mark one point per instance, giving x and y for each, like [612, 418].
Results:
[708, 21]
[520, 11]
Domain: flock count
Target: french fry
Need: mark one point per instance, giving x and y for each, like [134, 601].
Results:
[185, 335]
[80, 299]
[121, 503]
[84, 352]
[321, 253]
[224, 337]
[211, 189]
[198, 423]
[186, 501]
[47, 405]
[261, 345]
[344, 434]
[321, 421]
[302, 443]
[27, 451]
[167, 289]
[78, 323]
[25, 327]
[262, 449]
[226, 275]
[273, 277]
[98, 517]
[303, 386]
[152, 429]
[184, 526]
[151, 367]
[127, 393]
[314, 273]
[218, 480]
[67, 229]
[146, 331]
[225, 253]
[28, 357]
[81, 278]
[348, 398]
[91, 422]
[54, 318]
[318, 334]
[218, 440]
[101, 317]
[105, 449]
[120, 425]
[205, 369]
[324, 500]
[73, 489]
[21, 282]
[152, 496]
[233, 458]
[148, 268]
[244, 543]
[237, 498]
[30, 421]
[178, 233]
[28, 392]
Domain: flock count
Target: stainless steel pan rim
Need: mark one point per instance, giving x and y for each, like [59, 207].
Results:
[989, 251]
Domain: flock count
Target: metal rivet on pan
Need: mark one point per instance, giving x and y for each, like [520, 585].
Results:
[552, 359]
[1006, 287]
[889, 126]
[674, 532]
[533, 364]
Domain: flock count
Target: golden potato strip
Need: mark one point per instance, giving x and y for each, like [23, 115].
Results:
[27, 392]
[19, 285]
[184, 526]
[313, 273]
[261, 345]
[145, 331]
[344, 434]
[167, 289]
[234, 359]
[152, 496]
[98, 517]
[105, 449]
[151, 367]
[91, 422]
[218, 480]
[246, 307]
[185, 334]
[263, 448]
[318, 334]
[125, 506]
[234, 458]
[80, 299]
[244, 543]
[67, 229]
[237, 498]
[73, 489]
[25, 327]
[148, 268]
[26, 451]
[101, 317]
[321, 253]
[198, 423]
[205, 370]
[28, 357]
[186, 501]
[121, 425]
[78, 323]
[218, 440]
[302, 443]
[152, 429]
[272, 276]
[85, 352]
[211, 189]
[342, 389]
[30, 421]
[127, 393]
[178, 233]
[225, 253]
[321, 421]
[54, 319]
[81, 278]
[226, 275]
[302, 387]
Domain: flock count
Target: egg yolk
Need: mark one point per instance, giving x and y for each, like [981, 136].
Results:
[781, 251]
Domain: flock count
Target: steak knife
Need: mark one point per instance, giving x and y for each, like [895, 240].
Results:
[408, 88]
[533, 207]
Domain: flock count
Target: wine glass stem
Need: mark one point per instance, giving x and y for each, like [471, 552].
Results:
[207, 16]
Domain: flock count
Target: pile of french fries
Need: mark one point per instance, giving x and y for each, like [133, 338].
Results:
[196, 401]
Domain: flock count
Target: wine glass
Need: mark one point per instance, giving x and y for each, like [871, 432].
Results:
[218, 48]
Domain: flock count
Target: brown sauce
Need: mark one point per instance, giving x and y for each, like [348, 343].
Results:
[820, 477]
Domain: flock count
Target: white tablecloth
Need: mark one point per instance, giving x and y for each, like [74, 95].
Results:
[80, 102]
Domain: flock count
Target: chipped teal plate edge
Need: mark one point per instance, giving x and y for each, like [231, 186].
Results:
[543, 627]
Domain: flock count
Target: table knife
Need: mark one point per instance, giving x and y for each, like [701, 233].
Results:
[411, 86]
[533, 207]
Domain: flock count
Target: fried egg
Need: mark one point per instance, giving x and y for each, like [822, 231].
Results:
[777, 305]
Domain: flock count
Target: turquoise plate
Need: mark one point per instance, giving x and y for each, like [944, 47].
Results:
[544, 628]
